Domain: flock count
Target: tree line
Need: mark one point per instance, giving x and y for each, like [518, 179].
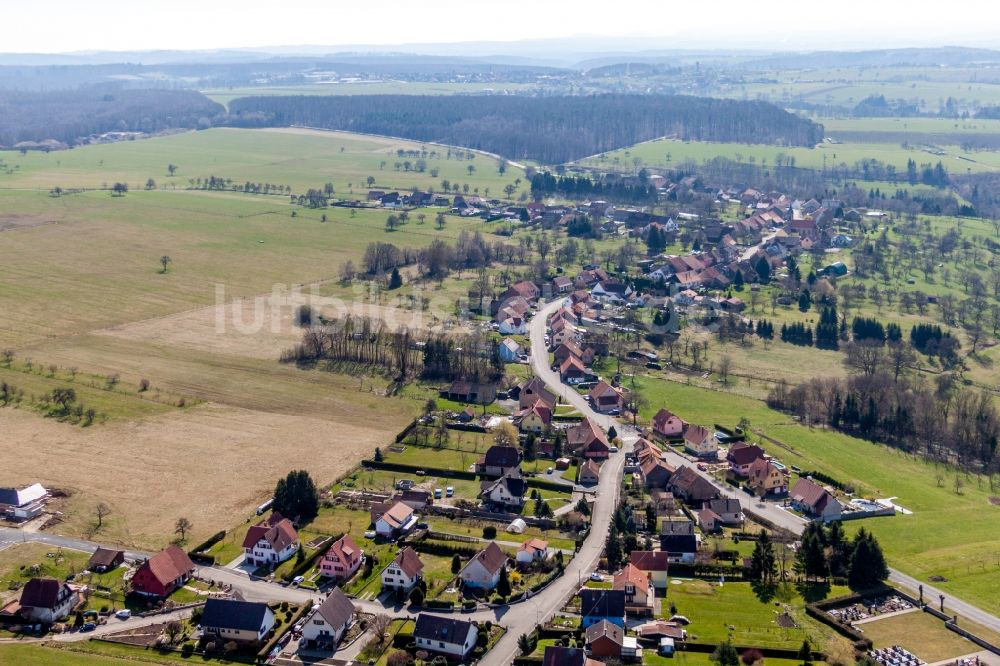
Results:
[937, 419]
[544, 184]
[399, 352]
[552, 130]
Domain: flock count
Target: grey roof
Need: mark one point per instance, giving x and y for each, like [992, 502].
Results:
[446, 629]
[564, 656]
[602, 603]
[677, 528]
[337, 610]
[229, 614]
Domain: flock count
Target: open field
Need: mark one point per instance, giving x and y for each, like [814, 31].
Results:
[959, 534]
[713, 608]
[664, 153]
[192, 464]
[299, 158]
[94, 653]
[81, 287]
[921, 633]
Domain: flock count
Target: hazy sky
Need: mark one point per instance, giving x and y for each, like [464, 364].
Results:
[54, 26]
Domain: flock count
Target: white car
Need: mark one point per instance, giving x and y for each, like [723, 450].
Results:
[370, 534]
[123, 614]
[298, 579]
[596, 577]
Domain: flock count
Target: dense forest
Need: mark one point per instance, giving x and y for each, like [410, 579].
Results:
[68, 116]
[546, 129]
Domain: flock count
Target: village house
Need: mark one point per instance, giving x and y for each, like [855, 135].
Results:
[106, 559]
[325, 626]
[163, 573]
[655, 472]
[766, 480]
[509, 350]
[405, 571]
[531, 551]
[562, 285]
[417, 500]
[498, 460]
[232, 620]
[604, 640]
[533, 391]
[741, 457]
[668, 425]
[23, 504]
[512, 324]
[471, 392]
[638, 588]
[572, 371]
[590, 473]
[341, 559]
[483, 570]
[606, 399]
[679, 541]
[392, 521]
[47, 600]
[654, 564]
[571, 348]
[447, 636]
[506, 493]
[728, 510]
[556, 655]
[815, 501]
[270, 542]
[700, 441]
[597, 605]
[587, 439]
[691, 487]
[656, 630]
[536, 418]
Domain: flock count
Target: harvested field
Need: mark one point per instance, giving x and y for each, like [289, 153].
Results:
[11, 222]
[213, 465]
[260, 327]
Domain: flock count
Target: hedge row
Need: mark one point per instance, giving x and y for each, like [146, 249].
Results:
[298, 615]
[307, 564]
[208, 543]
[446, 549]
[545, 484]
[824, 478]
[405, 467]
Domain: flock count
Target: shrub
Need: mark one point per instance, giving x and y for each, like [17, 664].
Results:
[489, 532]
[399, 658]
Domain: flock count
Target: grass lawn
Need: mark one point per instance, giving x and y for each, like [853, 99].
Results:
[18, 562]
[650, 658]
[713, 609]
[921, 633]
[95, 652]
[957, 539]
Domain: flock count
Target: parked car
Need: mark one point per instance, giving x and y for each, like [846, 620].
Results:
[437, 493]
[548, 471]
[652, 365]
[404, 484]
[123, 614]
[449, 491]
[298, 580]
[613, 449]
[89, 626]
[370, 534]
[596, 577]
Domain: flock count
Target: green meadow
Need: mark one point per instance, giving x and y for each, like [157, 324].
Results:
[298, 158]
[952, 535]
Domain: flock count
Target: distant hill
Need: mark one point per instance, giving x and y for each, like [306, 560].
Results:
[931, 57]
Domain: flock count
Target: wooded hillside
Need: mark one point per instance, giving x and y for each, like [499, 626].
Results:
[69, 115]
[547, 129]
